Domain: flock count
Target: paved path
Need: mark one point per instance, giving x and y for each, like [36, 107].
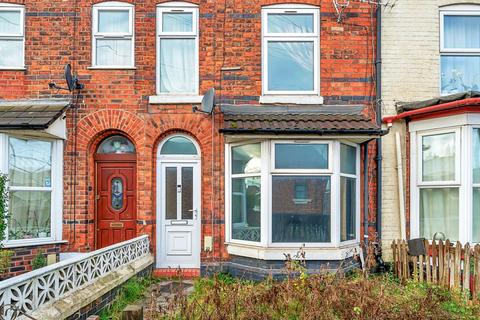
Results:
[159, 295]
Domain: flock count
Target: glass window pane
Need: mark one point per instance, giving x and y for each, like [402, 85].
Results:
[187, 193]
[348, 159]
[439, 212]
[460, 73]
[307, 220]
[117, 194]
[179, 145]
[438, 157]
[11, 53]
[476, 156]
[301, 156]
[29, 215]
[113, 21]
[177, 22]
[461, 31]
[30, 163]
[290, 23]
[476, 215]
[171, 193]
[246, 209]
[10, 23]
[290, 66]
[348, 211]
[246, 159]
[116, 144]
[114, 52]
[177, 65]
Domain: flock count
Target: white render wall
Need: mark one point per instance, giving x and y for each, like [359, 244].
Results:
[410, 72]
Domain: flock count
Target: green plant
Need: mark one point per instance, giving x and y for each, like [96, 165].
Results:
[5, 259]
[3, 207]
[132, 291]
[39, 261]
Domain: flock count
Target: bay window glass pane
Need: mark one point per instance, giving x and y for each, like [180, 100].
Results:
[290, 23]
[113, 21]
[177, 65]
[246, 209]
[460, 73]
[114, 52]
[301, 220]
[461, 31]
[476, 215]
[246, 159]
[11, 53]
[348, 211]
[30, 163]
[439, 212]
[177, 22]
[29, 215]
[438, 157]
[10, 23]
[301, 156]
[476, 156]
[348, 159]
[290, 66]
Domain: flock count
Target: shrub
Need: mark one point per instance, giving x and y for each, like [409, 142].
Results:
[39, 261]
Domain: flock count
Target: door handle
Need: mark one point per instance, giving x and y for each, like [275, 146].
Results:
[195, 213]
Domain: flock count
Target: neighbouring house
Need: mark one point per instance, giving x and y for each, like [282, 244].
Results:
[431, 68]
[285, 161]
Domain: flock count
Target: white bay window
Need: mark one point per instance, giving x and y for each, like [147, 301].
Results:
[284, 194]
[445, 178]
[34, 168]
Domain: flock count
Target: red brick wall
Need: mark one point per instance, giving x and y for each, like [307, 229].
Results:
[21, 259]
[59, 32]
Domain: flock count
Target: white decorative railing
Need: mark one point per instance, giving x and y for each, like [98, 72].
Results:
[29, 291]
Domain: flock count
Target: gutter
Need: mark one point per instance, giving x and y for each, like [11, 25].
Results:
[439, 107]
[368, 132]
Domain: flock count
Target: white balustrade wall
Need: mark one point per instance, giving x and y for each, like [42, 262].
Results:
[31, 290]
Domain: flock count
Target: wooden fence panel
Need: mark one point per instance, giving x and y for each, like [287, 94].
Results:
[446, 264]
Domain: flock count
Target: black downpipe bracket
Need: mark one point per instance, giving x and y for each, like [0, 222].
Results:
[378, 106]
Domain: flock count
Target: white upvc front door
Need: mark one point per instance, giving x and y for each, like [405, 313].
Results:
[178, 216]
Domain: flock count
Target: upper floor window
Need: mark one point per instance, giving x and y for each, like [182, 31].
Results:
[11, 36]
[177, 48]
[290, 49]
[460, 49]
[113, 35]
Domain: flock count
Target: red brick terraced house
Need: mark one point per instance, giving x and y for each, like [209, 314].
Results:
[285, 161]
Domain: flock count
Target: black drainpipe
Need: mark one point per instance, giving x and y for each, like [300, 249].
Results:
[378, 105]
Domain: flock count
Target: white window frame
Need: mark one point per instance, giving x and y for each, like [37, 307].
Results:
[300, 37]
[455, 10]
[177, 7]
[96, 35]
[268, 249]
[56, 189]
[20, 36]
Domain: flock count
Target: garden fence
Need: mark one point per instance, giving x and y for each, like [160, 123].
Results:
[444, 263]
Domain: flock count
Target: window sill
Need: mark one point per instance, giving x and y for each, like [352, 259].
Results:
[175, 99]
[30, 243]
[317, 253]
[112, 68]
[13, 69]
[293, 99]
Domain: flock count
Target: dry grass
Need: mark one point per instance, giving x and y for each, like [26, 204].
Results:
[323, 296]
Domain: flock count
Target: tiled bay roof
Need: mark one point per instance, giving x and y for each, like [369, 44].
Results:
[30, 114]
[297, 119]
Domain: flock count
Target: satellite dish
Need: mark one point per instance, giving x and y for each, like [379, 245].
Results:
[72, 81]
[208, 102]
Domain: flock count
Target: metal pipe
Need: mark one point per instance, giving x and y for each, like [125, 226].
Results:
[378, 92]
[365, 194]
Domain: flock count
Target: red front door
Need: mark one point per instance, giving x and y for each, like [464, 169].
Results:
[115, 199]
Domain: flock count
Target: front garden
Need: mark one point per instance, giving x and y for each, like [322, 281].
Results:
[322, 296]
